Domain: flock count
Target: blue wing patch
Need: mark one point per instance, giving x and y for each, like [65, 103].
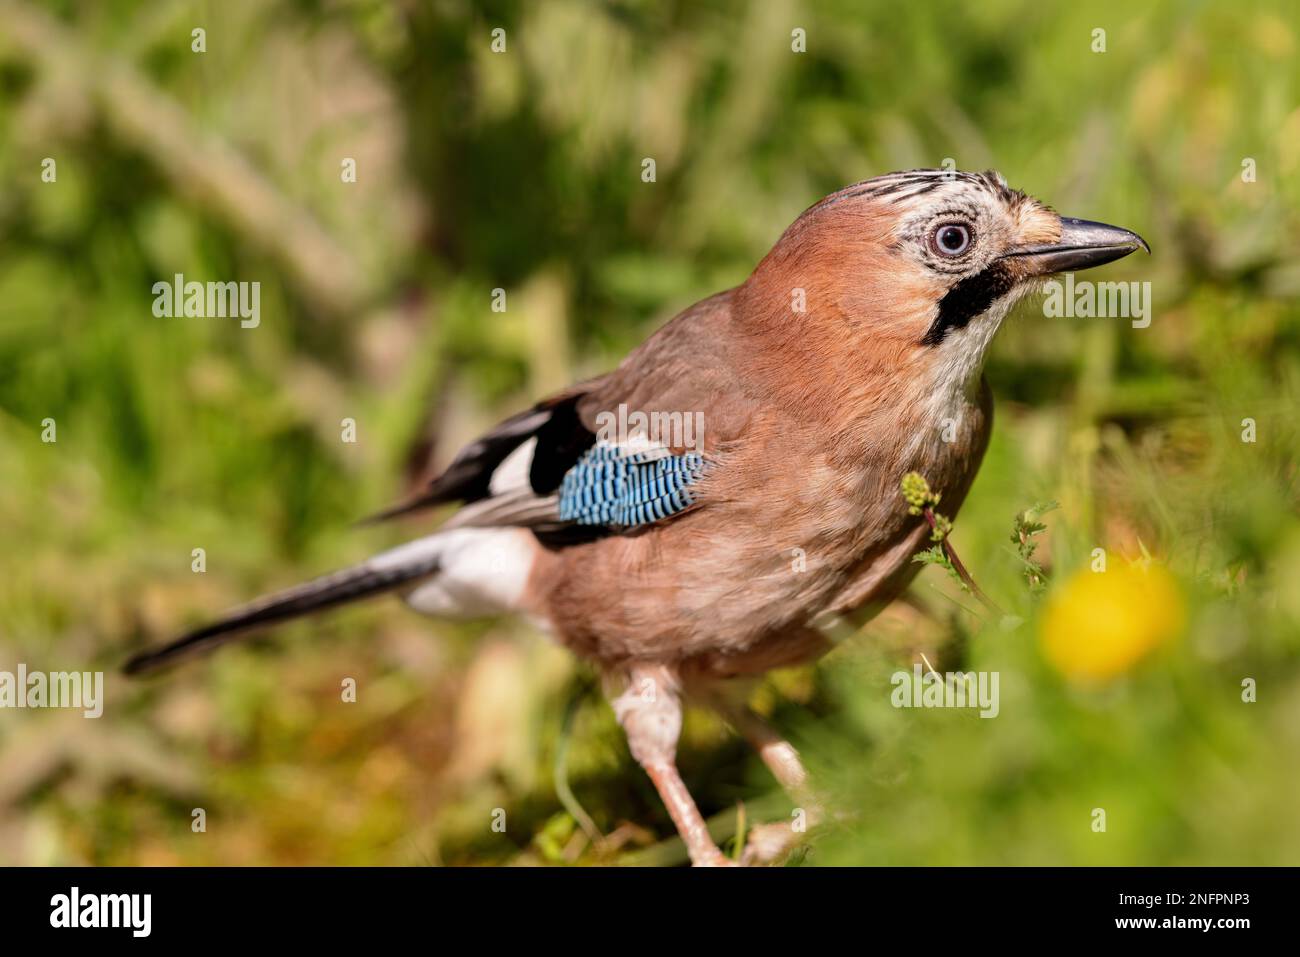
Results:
[611, 485]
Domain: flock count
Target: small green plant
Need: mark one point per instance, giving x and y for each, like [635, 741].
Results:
[921, 500]
[1027, 525]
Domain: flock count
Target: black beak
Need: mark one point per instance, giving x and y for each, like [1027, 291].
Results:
[1082, 245]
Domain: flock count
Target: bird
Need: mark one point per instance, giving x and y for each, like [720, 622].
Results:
[681, 562]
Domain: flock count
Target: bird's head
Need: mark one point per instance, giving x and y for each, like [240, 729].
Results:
[920, 267]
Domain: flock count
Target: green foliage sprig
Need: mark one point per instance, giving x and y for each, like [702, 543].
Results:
[921, 500]
[1027, 525]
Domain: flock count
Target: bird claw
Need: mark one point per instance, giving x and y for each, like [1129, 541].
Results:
[715, 859]
[768, 843]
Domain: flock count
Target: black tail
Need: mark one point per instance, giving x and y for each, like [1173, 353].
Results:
[381, 574]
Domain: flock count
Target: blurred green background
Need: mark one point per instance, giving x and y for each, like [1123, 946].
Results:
[522, 171]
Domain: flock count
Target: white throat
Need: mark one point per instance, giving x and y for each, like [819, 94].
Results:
[962, 352]
[959, 365]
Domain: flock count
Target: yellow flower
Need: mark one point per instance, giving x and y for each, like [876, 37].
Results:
[1099, 624]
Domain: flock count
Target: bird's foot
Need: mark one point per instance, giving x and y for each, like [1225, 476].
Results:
[715, 858]
[769, 843]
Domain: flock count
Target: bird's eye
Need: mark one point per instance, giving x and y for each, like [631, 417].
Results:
[951, 239]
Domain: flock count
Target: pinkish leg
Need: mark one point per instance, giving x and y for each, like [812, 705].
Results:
[767, 842]
[650, 711]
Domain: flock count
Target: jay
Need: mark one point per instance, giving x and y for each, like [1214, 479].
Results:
[851, 356]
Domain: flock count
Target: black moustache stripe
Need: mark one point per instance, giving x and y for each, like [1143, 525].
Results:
[966, 300]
